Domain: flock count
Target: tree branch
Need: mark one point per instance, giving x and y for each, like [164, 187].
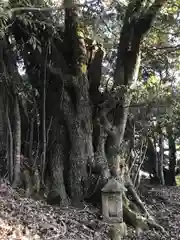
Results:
[145, 22]
[108, 127]
[106, 107]
[41, 9]
[172, 48]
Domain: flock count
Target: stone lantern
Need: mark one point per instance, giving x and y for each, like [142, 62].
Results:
[112, 207]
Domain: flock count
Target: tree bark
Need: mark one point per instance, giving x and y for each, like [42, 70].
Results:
[161, 157]
[77, 108]
[17, 144]
[100, 158]
[31, 138]
[9, 146]
[172, 156]
[43, 156]
[1, 119]
[58, 157]
[152, 160]
[80, 133]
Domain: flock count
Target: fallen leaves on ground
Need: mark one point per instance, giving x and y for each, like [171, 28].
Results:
[27, 219]
[163, 203]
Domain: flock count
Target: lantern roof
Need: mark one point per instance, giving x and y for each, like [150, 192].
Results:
[113, 186]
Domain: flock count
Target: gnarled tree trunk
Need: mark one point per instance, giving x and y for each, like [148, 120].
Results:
[57, 160]
[84, 110]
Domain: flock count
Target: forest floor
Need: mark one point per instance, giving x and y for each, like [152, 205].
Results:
[163, 203]
[27, 219]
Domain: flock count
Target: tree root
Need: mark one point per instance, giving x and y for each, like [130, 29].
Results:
[135, 212]
[117, 231]
[136, 198]
[153, 224]
[134, 218]
[58, 196]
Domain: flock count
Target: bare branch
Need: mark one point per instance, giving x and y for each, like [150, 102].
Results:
[41, 9]
[172, 48]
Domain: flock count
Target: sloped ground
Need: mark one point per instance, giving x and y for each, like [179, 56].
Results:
[26, 219]
[164, 204]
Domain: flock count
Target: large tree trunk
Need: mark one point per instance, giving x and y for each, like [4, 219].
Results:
[3, 134]
[77, 109]
[1, 119]
[17, 144]
[126, 75]
[80, 134]
[9, 145]
[57, 159]
[44, 132]
[127, 69]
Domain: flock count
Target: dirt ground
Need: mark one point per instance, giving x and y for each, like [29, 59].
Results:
[26, 219]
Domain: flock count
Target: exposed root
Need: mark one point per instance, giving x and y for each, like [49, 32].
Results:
[57, 196]
[134, 218]
[134, 209]
[136, 198]
[154, 224]
[117, 231]
[135, 212]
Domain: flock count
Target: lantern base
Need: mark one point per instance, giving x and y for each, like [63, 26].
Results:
[117, 231]
[113, 220]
